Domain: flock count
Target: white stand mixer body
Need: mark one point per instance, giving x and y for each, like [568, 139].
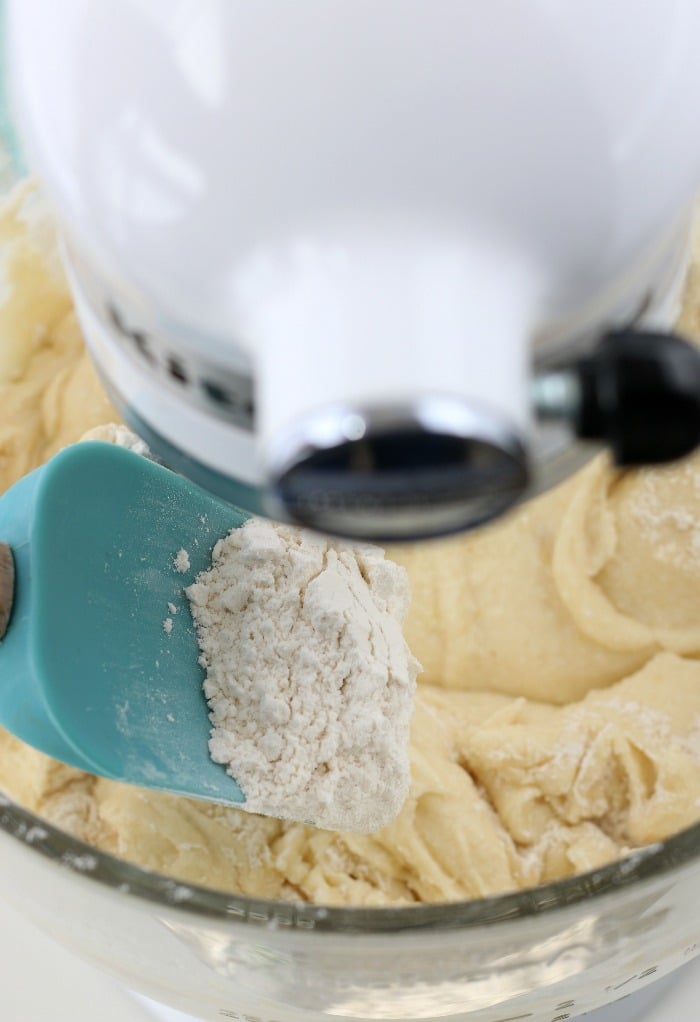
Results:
[364, 203]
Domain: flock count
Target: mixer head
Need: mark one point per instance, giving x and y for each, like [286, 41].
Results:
[384, 269]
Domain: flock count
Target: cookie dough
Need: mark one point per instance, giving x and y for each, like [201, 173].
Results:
[557, 724]
[575, 591]
[49, 393]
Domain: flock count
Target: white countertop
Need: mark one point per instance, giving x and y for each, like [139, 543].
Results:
[41, 982]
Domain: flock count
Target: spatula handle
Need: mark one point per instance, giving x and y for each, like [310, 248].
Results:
[7, 586]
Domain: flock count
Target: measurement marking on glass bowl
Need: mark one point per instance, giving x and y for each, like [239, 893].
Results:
[228, 1013]
[637, 976]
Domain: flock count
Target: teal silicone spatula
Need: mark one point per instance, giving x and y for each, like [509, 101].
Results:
[88, 674]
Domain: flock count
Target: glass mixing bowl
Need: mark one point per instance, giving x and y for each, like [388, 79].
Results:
[545, 954]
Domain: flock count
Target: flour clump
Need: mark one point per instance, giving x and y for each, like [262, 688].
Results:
[182, 562]
[308, 676]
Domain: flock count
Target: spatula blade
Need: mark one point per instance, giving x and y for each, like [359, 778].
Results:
[124, 691]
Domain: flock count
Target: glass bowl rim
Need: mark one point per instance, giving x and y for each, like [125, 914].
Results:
[644, 864]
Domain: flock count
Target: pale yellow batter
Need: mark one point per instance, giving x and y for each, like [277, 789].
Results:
[587, 600]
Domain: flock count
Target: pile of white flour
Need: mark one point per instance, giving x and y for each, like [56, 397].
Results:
[308, 677]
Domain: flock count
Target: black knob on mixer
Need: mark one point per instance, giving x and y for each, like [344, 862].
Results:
[640, 393]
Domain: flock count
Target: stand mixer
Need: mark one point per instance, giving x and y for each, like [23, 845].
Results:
[351, 264]
[374, 268]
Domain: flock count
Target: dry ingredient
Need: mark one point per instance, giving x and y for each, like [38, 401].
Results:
[112, 433]
[309, 679]
[182, 561]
